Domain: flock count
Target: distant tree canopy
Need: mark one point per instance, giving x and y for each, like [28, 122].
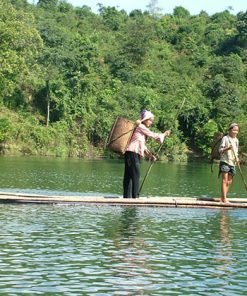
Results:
[100, 66]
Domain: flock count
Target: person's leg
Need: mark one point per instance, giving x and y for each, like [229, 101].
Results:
[127, 182]
[135, 176]
[224, 186]
[229, 181]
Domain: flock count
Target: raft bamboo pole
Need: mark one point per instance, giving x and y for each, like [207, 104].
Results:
[179, 202]
[238, 164]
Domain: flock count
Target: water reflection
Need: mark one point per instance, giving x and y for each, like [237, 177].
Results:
[128, 221]
[225, 258]
[224, 229]
[130, 255]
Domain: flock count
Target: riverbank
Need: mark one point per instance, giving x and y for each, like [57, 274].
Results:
[25, 133]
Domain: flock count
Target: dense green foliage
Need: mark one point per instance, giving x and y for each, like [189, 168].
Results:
[66, 74]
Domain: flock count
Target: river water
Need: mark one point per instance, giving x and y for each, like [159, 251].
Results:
[111, 250]
[97, 177]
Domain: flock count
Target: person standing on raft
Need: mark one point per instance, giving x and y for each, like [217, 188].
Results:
[228, 159]
[136, 150]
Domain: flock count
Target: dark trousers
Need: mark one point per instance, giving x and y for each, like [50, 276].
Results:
[131, 175]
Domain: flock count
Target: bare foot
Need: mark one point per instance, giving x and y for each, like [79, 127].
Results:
[224, 200]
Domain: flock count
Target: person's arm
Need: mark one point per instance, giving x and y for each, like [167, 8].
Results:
[159, 137]
[236, 151]
[167, 133]
[224, 146]
[149, 155]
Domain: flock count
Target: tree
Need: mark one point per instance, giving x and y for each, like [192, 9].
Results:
[113, 18]
[136, 39]
[242, 28]
[181, 12]
[19, 3]
[20, 43]
[153, 8]
[48, 3]
[231, 67]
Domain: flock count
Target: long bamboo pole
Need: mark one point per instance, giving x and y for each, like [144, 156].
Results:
[238, 164]
[158, 151]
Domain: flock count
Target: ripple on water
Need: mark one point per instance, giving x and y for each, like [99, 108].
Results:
[122, 251]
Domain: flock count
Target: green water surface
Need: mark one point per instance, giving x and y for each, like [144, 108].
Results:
[97, 177]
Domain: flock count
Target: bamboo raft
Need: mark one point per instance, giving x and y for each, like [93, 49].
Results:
[179, 202]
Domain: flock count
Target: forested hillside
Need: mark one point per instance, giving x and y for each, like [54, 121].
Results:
[66, 73]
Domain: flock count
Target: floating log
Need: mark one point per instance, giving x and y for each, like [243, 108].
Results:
[179, 202]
